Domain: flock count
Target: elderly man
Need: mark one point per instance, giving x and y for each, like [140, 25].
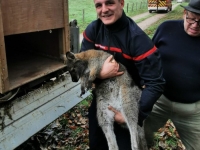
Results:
[179, 44]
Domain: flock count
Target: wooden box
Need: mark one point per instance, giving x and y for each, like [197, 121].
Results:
[34, 37]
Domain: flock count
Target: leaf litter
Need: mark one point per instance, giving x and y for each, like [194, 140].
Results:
[70, 132]
[167, 138]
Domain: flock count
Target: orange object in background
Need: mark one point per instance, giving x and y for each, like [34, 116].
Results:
[159, 5]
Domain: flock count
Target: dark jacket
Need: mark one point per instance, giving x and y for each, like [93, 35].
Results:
[180, 55]
[134, 49]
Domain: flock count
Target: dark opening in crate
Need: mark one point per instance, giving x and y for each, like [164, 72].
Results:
[33, 55]
[34, 37]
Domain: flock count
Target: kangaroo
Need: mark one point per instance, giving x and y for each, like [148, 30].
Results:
[119, 92]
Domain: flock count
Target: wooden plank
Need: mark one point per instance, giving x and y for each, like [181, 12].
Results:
[65, 35]
[4, 82]
[66, 27]
[22, 16]
[23, 128]
[65, 40]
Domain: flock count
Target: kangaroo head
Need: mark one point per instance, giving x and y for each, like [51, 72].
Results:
[76, 67]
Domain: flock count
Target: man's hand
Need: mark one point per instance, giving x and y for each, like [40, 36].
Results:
[118, 116]
[110, 69]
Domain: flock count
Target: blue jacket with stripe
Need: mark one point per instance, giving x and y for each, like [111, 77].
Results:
[135, 50]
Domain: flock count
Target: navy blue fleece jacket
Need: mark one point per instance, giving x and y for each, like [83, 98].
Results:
[134, 49]
[180, 55]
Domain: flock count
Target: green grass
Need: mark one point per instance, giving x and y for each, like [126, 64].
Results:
[86, 101]
[79, 7]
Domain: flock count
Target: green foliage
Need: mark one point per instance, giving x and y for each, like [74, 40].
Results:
[86, 101]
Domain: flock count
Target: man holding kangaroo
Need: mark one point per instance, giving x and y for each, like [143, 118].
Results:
[120, 36]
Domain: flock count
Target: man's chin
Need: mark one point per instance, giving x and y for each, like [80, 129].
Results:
[194, 34]
[107, 22]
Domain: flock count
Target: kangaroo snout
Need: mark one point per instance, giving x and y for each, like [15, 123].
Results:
[74, 75]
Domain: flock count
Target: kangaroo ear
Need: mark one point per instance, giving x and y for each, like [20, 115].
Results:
[70, 55]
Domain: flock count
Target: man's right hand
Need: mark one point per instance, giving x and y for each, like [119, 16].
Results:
[109, 69]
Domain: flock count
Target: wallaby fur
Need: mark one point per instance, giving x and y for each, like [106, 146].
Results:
[118, 92]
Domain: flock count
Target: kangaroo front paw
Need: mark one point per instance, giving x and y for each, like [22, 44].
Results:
[89, 85]
[82, 92]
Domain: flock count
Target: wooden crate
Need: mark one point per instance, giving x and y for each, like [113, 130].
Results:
[34, 37]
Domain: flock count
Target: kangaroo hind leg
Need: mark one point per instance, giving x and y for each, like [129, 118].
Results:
[131, 117]
[110, 136]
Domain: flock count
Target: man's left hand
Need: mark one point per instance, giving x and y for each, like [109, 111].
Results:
[118, 115]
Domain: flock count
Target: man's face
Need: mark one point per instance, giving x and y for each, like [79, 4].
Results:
[192, 23]
[109, 11]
